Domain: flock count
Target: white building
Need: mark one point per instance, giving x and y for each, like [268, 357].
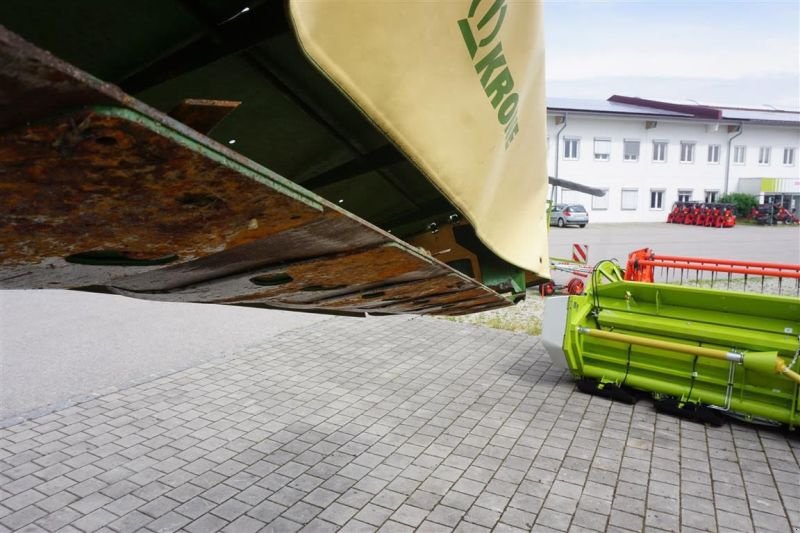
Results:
[648, 154]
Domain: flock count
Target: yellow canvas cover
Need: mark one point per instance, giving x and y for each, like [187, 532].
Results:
[458, 86]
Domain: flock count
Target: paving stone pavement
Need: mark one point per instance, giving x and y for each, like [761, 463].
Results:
[390, 424]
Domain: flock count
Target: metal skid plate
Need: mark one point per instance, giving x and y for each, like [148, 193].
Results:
[101, 192]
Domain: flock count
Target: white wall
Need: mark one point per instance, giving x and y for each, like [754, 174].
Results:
[753, 137]
[670, 176]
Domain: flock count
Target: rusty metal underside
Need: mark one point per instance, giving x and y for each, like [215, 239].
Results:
[101, 192]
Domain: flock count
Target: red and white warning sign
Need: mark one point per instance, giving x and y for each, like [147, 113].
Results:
[580, 253]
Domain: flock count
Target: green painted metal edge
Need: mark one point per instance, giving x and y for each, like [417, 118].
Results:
[256, 172]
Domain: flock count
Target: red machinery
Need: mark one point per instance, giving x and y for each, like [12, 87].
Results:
[684, 211]
[578, 269]
[692, 214]
[728, 218]
[642, 264]
[697, 214]
[771, 214]
[676, 213]
[720, 216]
[713, 216]
[700, 217]
[573, 286]
[786, 216]
[763, 214]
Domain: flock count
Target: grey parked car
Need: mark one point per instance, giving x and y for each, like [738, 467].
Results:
[568, 214]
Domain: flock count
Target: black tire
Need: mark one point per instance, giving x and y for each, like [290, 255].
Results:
[561, 223]
[582, 225]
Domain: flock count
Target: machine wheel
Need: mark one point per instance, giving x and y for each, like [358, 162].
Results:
[547, 289]
[618, 394]
[560, 222]
[575, 286]
[689, 411]
[582, 225]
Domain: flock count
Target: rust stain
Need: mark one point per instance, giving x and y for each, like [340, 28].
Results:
[447, 300]
[399, 298]
[332, 234]
[318, 279]
[94, 182]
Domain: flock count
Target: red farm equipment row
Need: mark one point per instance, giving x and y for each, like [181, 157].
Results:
[771, 277]
[702, 214]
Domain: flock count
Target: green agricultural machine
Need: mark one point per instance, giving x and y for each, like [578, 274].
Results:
[697, 352]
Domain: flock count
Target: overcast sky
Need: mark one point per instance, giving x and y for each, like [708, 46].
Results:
[725, 51]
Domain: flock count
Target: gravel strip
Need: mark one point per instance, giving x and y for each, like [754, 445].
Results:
[526, 316]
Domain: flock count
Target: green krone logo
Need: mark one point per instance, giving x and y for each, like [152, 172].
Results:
[480, 32]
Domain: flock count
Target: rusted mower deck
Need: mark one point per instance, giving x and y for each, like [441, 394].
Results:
[101, 192]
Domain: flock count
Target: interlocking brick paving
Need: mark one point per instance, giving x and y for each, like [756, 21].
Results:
[390, 424]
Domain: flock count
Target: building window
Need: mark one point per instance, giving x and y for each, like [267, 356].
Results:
[711, 197]
[630, 199]
[660, 151]
[656, 198]
[687, 152]
[788, 156]
[602, 149]
[630, 150]
[713, 153]
[685, 195]
[739, 154]
[600, 203]
[571, 147]
[763, 155]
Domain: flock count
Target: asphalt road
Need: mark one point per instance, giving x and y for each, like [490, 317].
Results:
[779, 244]
[57, 347]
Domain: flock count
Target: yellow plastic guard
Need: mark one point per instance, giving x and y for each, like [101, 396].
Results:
[459, 87]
